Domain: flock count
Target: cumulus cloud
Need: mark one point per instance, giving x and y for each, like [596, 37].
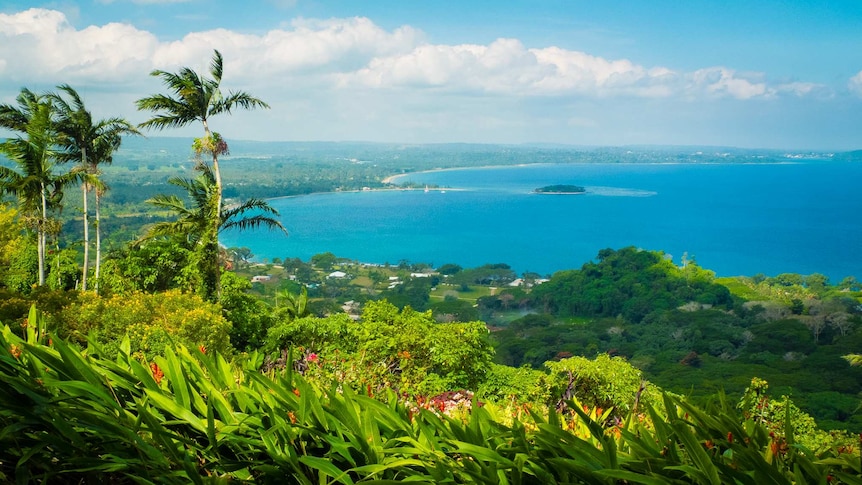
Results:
[720, 81]
[42, 45]
[506, 66]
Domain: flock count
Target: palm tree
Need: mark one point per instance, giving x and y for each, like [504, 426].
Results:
[197, 98]
[295, 306]
[194, 223]
[90, 144]
[36, 186]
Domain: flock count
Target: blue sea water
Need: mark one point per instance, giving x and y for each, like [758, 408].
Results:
[735, 219]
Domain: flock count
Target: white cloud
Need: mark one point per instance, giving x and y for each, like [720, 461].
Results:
[855, 84]
[801, 89]
[41, 46]
[348, 78]
[354, 53]
[507, 67]
[721, 82]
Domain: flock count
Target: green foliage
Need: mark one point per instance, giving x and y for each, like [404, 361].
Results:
[18, 256]
[412, 292]
[454, 310]
[63, 270]
[605, 382]
[786, 421]
[499, 274]
[77, 417]
[406, 350]
[152, 266]
[151, 322]
[560, 189]
[449, 269]
[249, 317]
[629, 282]
[324, 261]
[523, 384]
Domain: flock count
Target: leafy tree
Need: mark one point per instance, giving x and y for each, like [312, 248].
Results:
[18, 264]
[197, 99]
[149, 266]
[606, 382]
[250, 318]
[449, 269]
[324, 261]
[89, 143]
[240, 255]
[36, 185]
[490, 274]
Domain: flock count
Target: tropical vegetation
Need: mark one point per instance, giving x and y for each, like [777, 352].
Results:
[197, 99]
[181, 361]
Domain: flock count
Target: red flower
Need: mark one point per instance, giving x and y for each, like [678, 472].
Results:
[157, 372]
[312, 357]
[202, 349]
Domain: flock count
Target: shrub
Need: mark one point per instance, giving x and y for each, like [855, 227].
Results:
[151, 321]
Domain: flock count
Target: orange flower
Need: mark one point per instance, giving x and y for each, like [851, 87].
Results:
[292, 417]
[157, 372]
[202, 349]
[296, 391]
[16, 351]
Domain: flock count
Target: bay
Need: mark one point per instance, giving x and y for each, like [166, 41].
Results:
[735, 219]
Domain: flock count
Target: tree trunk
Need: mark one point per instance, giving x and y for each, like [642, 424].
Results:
[41, 231]
[86, 189]
[215, 272]
[98, 241]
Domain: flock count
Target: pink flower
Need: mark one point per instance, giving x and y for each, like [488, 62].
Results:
[312, 357]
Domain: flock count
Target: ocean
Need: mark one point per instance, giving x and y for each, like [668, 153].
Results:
[734, 219]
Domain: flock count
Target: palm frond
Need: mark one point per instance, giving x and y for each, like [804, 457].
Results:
[254, 222]
[238, 99]
[217, 66]
[169, 202]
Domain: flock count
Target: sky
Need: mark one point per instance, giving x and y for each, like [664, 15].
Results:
[767, 74]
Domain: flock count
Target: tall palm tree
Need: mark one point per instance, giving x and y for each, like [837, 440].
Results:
[89, 144]
[197, 98]
[38, 189]
[194, 222]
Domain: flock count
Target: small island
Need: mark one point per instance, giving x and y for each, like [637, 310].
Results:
[560, 189]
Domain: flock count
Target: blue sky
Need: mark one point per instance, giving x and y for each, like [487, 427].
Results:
[765, 74]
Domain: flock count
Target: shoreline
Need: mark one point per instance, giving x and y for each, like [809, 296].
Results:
[372, 189]
[393, 179]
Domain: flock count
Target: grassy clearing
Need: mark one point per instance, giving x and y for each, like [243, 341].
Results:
[473, 293]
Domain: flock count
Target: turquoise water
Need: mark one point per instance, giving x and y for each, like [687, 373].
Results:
[736, 219]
